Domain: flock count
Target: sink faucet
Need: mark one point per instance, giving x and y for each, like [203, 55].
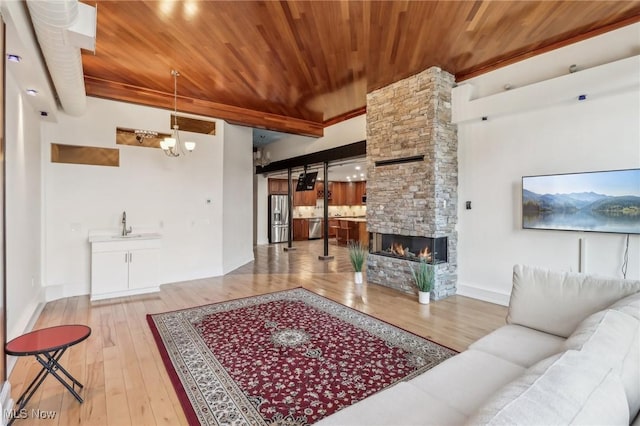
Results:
[125, 231]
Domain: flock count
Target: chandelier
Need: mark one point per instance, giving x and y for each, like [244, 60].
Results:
[262, 157]
[172, 146]
[141, 135]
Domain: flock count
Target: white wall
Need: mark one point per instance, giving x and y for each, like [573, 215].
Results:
[261, 233]
[158, 193]
[601, 133]
[23, 211]
[237, 201]
[343, 133]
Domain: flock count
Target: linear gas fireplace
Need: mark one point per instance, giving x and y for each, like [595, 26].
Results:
[417, 249]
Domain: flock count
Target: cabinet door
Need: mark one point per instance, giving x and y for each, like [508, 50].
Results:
[284, 186]
[320, 190]
[278, 187]
[273, 187]
[350, 194]
[338, 193]
[109, 272]
[297, 229]
[361, 190]
[143, 268]
[333, 189]
[300, 229]
[310, 198]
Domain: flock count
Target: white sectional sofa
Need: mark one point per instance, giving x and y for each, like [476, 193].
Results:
[569, 354]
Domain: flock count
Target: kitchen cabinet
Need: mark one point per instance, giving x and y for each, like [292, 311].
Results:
[300, 229]
[352, 230]
[361, 191]
[320, 191]
[124, 267]
[304, 198]
[337, 193]
[350, 194]
[278, 186]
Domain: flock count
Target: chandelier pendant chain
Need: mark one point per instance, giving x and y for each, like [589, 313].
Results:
[173, 146]
[175, 98]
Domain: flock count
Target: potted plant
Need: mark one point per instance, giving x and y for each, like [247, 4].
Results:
[423, 276]
[357, 255]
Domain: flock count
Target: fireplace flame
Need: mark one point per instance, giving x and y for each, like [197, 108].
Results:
[425, 254]
[397, 249]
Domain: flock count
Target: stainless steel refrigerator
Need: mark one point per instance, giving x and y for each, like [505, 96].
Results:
[278, 218]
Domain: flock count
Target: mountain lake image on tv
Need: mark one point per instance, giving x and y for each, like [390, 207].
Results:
[607, 201]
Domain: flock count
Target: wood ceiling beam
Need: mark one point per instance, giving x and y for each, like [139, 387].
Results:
[346, 116]
[101, 88]
[477, 71]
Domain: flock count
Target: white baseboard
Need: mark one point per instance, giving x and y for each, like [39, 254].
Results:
[6, 403]
[484, 294]
[55, 292]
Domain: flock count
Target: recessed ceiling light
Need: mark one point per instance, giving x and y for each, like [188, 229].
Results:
[32, 92]
[13, 58]
[357, 167]
[355, 176]
[361, 174]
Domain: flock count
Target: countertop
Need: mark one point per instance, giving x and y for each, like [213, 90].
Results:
[363, 218]
[354, 219]
[120, 238]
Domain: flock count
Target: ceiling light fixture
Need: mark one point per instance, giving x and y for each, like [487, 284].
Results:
[172, 146]
[262, 157]
[31, 92]
[13, 58]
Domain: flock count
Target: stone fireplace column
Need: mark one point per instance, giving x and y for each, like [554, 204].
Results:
[412, 190]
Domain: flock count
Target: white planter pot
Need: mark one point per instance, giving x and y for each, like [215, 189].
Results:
[357, 278]
[424, 297]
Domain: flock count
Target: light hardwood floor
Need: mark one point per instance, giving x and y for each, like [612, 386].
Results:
[125, 380]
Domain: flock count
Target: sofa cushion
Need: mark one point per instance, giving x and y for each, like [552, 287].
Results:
[613, 337]
[556, 302]
[519, 345]
[630, 305]
[400, 404]
[465, 381]
[568, 388]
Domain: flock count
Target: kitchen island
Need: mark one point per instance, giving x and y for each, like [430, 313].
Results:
[351, 230]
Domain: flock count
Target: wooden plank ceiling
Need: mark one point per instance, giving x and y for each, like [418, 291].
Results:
[295, 66]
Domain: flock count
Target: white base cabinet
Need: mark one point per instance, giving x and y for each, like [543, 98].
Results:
[121, 267]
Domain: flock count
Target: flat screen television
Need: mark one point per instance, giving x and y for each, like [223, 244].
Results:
[306, 181]
[607, 201]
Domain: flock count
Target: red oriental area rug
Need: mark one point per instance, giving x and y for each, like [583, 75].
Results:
[291, 357]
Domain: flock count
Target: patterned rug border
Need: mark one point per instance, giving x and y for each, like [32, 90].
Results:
[187, 405]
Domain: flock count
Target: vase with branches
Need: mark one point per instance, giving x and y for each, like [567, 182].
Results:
[424, 277]
[357, 256]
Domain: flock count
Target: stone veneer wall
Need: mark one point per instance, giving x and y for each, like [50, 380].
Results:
[407, 118]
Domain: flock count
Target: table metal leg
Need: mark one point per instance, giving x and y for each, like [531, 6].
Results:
[50, 365]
